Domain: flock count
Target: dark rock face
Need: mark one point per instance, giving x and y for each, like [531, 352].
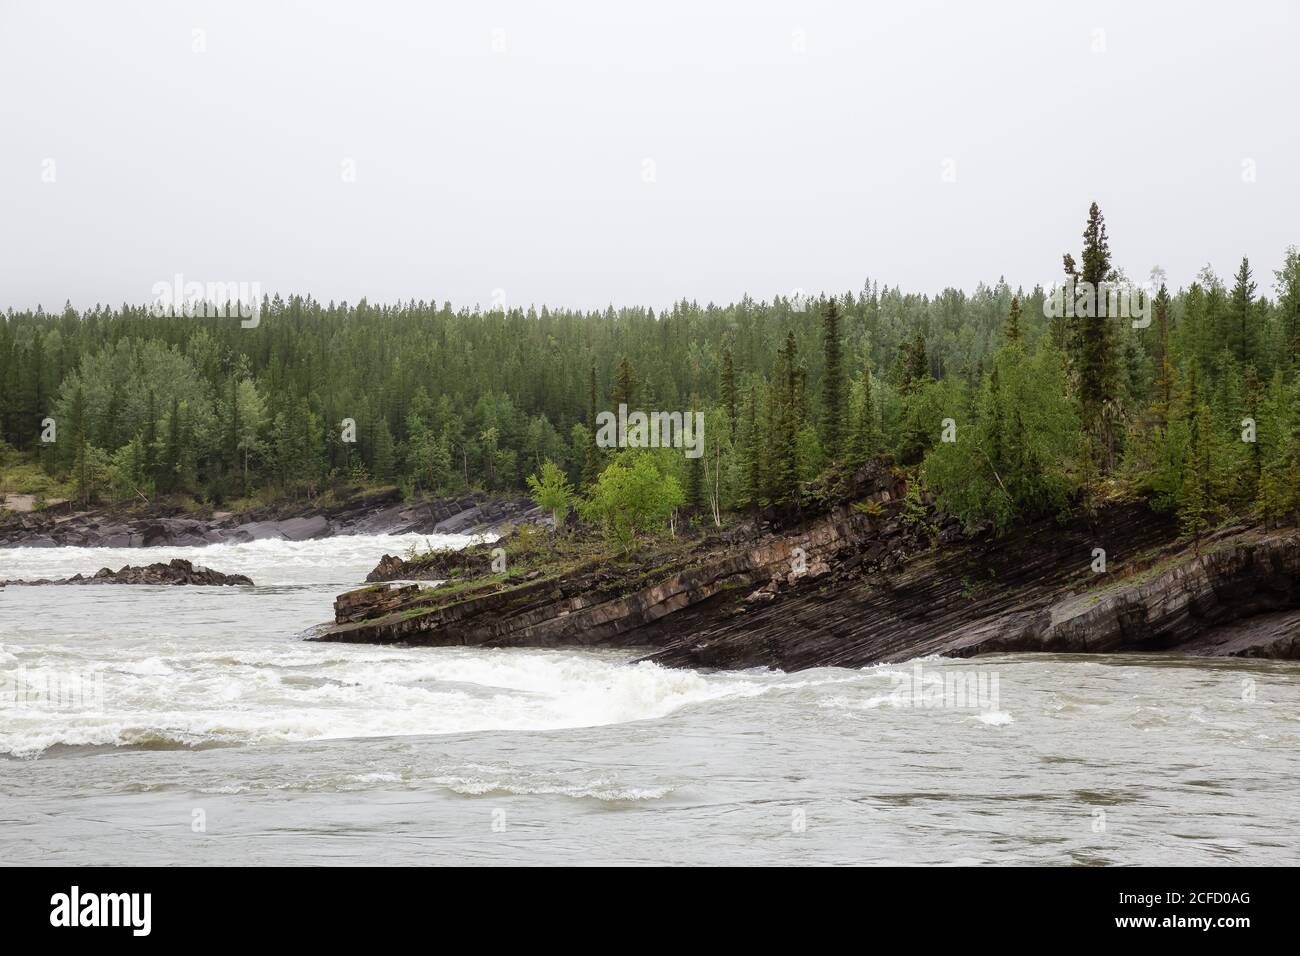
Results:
[378, 513]
[176, 571]
[1178, 603]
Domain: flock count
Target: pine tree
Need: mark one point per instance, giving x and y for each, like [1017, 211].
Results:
[915, 365]
[866, 434]
[233, 434]
[1196, 502]
[1254, 393]
[785, 423]
[625, 385]
[149, 449]
[382, 463]
[1012, 330]
[753, 452]
[694, 489]
[1279, 486]
[1094, 341]
[1241, 335]
[729, 391]
[1288, 306]
[835, 420]
[1164, 364]
[592, 460]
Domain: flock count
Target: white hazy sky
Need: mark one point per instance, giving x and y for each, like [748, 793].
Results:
[501, 145]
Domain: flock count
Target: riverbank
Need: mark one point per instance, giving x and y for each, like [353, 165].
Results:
[381, 511]
[873, 579]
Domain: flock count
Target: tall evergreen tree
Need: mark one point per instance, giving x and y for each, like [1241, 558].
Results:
[834, 411]
[1242, 338]
[1164, 363]
[625, 385]
[694, 489]
[866, 433]
[592, 460]
[915, 365]
[785, 422]
[728, 385]
[1012, 331]
[149, 448]
[753, 457]
[1094, 348]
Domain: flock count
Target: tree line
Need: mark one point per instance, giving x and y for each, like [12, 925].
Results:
[1003, 408]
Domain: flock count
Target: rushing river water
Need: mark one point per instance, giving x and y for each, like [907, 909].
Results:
[192, 725]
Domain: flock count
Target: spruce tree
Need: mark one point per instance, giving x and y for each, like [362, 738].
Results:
[753, 458]
[785, 422]
[625, 385]
[1164, 364]
[835, 418]
[1241, 333]
[1012, 331]
[232, 436]
[1254, 389]
[1094, 342]
[915, 365]
[382, 464]
[729, 390]
[694, 489]
[1197, 499]
[866, 437]
[592, 459]
[150, 445]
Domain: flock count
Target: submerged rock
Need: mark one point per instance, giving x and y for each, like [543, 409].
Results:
[177, 571]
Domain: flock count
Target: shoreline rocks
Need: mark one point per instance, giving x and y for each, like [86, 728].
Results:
[382, 512]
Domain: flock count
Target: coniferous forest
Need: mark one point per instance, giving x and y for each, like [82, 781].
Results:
[1004, 410]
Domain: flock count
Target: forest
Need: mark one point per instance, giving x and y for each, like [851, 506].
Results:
[1003, 410]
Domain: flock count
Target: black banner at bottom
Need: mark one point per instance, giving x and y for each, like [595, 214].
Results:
[333, 905]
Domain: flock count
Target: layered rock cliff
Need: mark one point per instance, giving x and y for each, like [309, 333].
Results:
[873, 579]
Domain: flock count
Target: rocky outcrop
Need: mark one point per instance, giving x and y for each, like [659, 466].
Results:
[371, 602]
[434, 566]
[614, 602]
[1155, 597]
[176, 572]
[874, 582]
[382, 512]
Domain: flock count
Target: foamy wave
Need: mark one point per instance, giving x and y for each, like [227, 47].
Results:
[339, 560]
[318, 693]
[476, 781]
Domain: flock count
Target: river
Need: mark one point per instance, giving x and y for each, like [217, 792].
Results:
[193, 725]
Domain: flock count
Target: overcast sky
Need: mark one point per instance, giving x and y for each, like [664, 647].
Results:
[635, 153]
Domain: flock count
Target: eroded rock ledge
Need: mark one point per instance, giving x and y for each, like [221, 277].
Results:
[869, 582]
[177, 571]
